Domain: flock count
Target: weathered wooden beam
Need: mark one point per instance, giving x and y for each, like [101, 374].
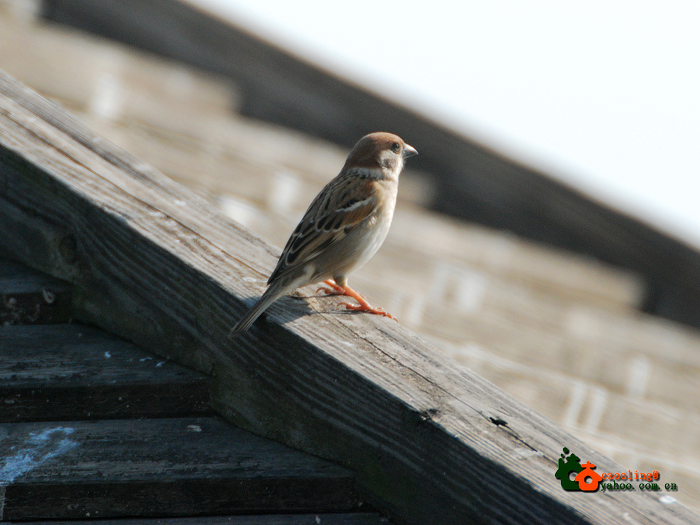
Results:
[29, 297]
[160, 467]
[471, 181]
[49, 373]
[357, 518]
[430, 443]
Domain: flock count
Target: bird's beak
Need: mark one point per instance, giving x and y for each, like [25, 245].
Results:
[409, 151]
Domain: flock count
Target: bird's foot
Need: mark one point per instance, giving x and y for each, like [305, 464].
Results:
[363, 306]
[366, 307]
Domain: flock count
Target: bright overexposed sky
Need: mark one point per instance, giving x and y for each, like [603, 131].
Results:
[604, 95]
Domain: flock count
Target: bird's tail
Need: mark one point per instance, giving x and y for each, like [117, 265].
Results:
[274, 292]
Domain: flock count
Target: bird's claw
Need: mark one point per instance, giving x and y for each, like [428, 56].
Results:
[368, 309]
[364, 306]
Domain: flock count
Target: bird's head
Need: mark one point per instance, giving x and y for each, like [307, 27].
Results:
[383, 151]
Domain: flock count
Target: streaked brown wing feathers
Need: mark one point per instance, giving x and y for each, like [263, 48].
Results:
[340, 207]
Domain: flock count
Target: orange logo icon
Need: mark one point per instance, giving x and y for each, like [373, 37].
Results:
[585, 474]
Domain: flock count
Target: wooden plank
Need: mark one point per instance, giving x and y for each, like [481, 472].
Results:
[78, 372]
[430, 443]
[510, 258]
[160, 467]
[30, 297]
[581, 341]
[637, 428]
[359, 518]
[472, 181]
[108, 79]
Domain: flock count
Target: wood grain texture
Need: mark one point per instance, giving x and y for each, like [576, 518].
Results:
[29, 297]
[161, 467]
[77, 372]
[429, 443]
[359, 518]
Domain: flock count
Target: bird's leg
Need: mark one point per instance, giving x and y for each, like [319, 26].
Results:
[364, 306]
[333, 289]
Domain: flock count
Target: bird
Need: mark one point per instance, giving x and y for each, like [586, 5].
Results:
[343, 227]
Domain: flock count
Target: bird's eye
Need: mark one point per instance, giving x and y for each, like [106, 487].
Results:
[395, 147]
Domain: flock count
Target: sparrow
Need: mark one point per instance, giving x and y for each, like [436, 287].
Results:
[343, 227]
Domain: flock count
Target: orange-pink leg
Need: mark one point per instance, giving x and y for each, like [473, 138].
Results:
[364, 306]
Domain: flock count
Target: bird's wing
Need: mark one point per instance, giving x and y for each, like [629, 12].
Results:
[337, 210]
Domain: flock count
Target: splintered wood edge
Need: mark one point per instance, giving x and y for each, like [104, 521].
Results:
[157, 265]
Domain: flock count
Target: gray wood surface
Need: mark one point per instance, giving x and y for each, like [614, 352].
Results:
[157, 265]
[76, 372]
[160, 467]
[359, 518]
[29, 297]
